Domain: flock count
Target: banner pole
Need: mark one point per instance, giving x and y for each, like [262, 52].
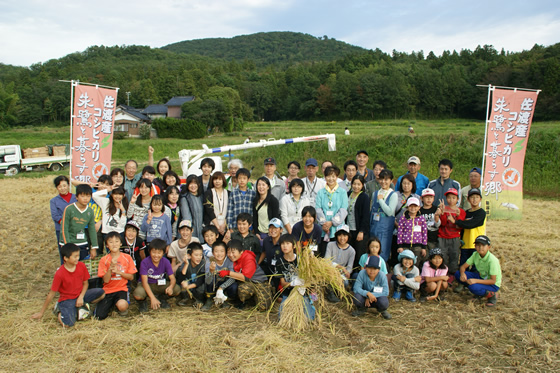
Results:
[71, 126]
[490, 89]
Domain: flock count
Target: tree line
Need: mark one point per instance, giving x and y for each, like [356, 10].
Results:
[363, 85]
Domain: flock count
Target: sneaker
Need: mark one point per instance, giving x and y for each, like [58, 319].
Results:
[451, 279]
[459, 288]
[185, 302]
[397, 295]
[143, 306]
[409, 296]
[491, 299]
[207, 305]
[331, 297]
[386, 315]
[163, 303]
[360, 311]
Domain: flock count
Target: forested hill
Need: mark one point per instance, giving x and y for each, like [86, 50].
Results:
[267, 48]
[359, 85]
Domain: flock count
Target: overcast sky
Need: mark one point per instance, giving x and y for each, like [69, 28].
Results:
[35, 31]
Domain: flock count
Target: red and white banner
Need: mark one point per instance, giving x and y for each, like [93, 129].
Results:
[508, 126]
[92, 131]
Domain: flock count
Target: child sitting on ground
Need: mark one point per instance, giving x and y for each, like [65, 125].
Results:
[190, 276]
[247, 239]
[371, 289]
[449, 236]
[342, 256]
[251, 280]
[216, 285]
[486, 283]
[373, 249]
[434, 277]
[406, 277]
[71, 282]
[412, 232]
[116, 269]
[285, 267]
[154, 283]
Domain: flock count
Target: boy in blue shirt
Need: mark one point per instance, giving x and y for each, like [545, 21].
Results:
[371, 289]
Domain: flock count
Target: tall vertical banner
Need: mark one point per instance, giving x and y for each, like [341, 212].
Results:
[508, 125]
[92, 131]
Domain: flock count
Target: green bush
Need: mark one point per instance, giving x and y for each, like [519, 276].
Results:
[179, 128]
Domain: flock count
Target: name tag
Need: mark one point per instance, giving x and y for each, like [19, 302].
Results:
[378, 289]
[417, 228]
[81, 236]
[273, 262]
[330, 213]
[376, 216]
[161, 281]
[313, 247]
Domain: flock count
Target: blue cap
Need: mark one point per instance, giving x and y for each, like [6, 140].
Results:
[311, 162]
[373, 262]
[476, 169]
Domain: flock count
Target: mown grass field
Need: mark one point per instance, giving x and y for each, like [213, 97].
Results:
[459, 140]
[522, 333]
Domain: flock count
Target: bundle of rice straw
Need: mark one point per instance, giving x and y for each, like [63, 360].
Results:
[317, 274]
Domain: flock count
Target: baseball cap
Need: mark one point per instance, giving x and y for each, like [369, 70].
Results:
[482, 239]
[428, 192]
[185, 223]
[476, 169]
[362, 152]
[311, 162]
[452, 191]
[413, 159]
[372, 262]
[270, 160]
[474, 191]
[342, 228]
[413, 201]
[133, 224]
[276, 222]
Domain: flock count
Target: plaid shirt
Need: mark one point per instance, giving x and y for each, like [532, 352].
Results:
[237, 204]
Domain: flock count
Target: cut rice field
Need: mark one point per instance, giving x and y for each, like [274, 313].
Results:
[522, 333]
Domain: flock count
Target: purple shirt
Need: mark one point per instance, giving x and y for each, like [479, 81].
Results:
[154, 273]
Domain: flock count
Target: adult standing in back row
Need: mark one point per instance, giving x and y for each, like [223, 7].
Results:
[362, 158]
[131, 178]
[474, 183]
[413, 166]
[444, 182]
[312, 183]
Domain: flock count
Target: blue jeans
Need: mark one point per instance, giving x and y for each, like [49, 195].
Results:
[381, 305]
[477, 289]
[383, 230]
[68, 310]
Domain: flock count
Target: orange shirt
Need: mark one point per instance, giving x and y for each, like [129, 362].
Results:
[117, 283]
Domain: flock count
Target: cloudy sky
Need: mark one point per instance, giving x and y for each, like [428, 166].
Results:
[38, 30]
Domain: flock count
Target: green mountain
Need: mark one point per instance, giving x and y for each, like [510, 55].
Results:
[266, 48]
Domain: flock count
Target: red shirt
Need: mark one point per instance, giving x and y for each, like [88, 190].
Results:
[70, 284]
[448, 229]
[247, 264]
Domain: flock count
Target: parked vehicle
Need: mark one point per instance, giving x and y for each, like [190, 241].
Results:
[52, 157]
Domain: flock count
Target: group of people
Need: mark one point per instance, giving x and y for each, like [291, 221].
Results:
[226, 239]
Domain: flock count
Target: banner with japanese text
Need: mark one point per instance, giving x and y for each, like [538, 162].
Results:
[508, 128]
[92, 131]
